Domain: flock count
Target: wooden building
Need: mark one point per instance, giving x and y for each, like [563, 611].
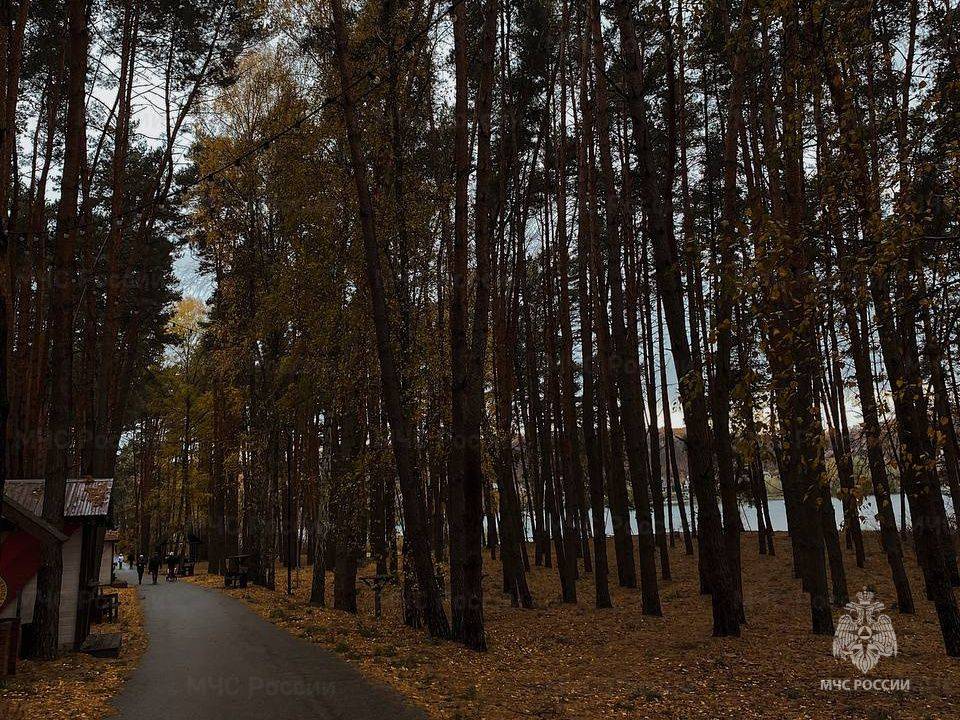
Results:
[86, 515]
[107, 571]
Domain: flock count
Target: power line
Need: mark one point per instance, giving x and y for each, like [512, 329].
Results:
[370, 74]
[261, 145]
[265, 142]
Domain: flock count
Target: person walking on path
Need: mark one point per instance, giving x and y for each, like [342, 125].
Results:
[171, 567]
[141, 566]
[154, 567]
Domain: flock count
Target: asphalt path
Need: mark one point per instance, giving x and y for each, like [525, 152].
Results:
[211, 658]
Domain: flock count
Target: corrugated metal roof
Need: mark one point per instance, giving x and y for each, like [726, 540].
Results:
[85, 497]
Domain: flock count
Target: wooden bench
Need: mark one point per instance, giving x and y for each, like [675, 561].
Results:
[236, 579]
[186, 569]
[107, 607]
[235, 572]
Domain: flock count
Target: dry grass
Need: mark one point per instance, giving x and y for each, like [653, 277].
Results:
[576, 662]
[76, 686]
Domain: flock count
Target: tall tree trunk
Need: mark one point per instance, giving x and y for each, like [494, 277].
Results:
[624, 355]
[727, 293]
[560, 503]
[670, 444]
[398, 413]
[656, 476]
[585, 240]
[46, 614]
[898, 348]
[570, 440]
[713, 561]
[349, 500]
[459, 347]
[468, 384]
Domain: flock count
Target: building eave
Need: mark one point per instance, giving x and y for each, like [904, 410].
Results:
[31, 523]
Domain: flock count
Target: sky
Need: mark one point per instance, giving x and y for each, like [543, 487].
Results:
[192, 283]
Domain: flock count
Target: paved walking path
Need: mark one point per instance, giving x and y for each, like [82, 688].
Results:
[210, 658]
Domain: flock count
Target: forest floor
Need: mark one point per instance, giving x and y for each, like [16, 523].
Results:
[576, 662]
[77, 686]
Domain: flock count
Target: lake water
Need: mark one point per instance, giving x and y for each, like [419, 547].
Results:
[868, 512]
[778, 514]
